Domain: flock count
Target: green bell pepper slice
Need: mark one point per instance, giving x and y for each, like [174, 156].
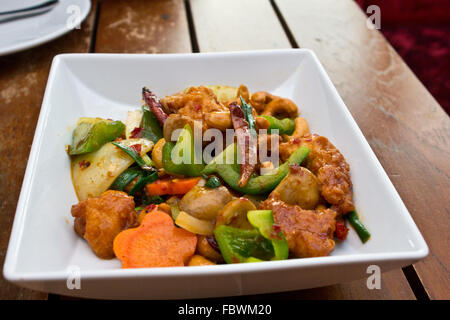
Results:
[239, 245]
[284, 126]
[167, 162]
[184, 160]
[263, 221]
[256, 185]
[150, 125]
[92, 133]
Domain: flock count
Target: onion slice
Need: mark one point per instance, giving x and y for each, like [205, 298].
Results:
[194, 225]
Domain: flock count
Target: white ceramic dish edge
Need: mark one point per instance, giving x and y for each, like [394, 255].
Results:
[40, 281]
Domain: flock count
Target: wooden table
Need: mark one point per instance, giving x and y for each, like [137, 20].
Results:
[405, 126]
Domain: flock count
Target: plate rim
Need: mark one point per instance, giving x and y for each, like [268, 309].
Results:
[28, 44]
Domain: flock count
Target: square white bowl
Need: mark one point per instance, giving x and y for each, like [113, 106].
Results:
[44, 249]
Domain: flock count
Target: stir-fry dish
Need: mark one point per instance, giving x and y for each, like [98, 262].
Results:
[209, 175]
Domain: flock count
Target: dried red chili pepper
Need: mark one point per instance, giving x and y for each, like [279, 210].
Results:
[137, 148]
[341, 230]
[155, 105]
[84, 164]
[246, 142]
[136, 133]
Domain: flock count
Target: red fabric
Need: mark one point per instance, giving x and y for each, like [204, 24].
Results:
[420, 32]
[411, 11]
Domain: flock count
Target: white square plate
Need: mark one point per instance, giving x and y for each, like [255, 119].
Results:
[44, 251]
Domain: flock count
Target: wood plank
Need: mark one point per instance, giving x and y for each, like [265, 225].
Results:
[405, 126]
[23, 78]
[237, 25]
[393, 287]
[137, 26]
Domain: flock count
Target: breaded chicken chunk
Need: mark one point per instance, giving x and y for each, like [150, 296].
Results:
[100, 219]
[194, 102]
[309, 233]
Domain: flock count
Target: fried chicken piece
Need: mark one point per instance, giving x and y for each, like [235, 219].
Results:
[330, 167]
[194, 102]
[309, 233]
[332, 171]
[197, 104]
[286, 148]
[100, 219]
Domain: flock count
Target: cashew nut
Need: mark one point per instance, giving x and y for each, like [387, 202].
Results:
[281, 107]
[267, 165]
[176, 121]
[243, 91]
[157, 153]
[301, 127]
[197, 260]
[260, 99]
[262, 123]
[205, 249]
[218, 120]
[235, 214]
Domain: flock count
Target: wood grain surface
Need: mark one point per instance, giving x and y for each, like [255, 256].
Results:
[393, 287]
[23, 78]
[137, 26]
[237, 25]
[405, 126]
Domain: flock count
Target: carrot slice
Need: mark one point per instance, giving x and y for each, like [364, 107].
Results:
[171, 186]
[155, 243]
